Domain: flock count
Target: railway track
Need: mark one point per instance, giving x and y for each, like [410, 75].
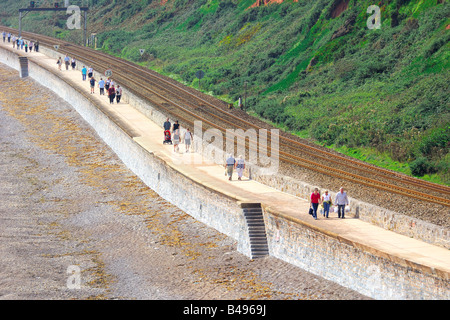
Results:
[188, 106]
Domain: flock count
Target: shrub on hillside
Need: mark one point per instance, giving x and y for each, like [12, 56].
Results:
[420, 167]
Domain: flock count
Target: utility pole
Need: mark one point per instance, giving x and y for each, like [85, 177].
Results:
[20, 24]
[245, 94]
[85, 29]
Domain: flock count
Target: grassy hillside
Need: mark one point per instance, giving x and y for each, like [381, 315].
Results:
[312, 67]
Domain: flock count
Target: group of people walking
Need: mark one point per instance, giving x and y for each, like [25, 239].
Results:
[67, 62]
[109, 86]
[20, 43]
[87, 73]
[187, 138]
[231, 163]
[341, 200]
[114, 92]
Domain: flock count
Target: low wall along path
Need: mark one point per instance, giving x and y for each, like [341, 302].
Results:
[373, 261]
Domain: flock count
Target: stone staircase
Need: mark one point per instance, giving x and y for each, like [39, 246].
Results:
[23, 61]
[256, 230]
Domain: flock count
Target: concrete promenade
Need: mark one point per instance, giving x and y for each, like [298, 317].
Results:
[404, 251]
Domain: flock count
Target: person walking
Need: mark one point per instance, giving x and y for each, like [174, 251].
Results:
[26, 47]
[92, 83]
[314, 202]
[118, 93]
[31, 46]
[101, 86]
[167, 125]
[107, 84]
[176, 126]
[4, 36]
[67, 62]
[84, 73]
[90, 72]
[111, 94]
[73, 63]
[59, 63]
[341, 201]
[187, 139]
[326, 201]
[9, 37]
[176, 140]
[230, 162]
[240, 166]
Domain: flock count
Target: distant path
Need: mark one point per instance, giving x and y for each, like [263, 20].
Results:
[66, 200]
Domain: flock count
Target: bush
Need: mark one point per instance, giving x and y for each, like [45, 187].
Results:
[436, 45]
[420, 167]
[436, 139]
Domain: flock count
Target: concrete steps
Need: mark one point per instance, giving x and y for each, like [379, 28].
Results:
[23, 61]
[256, 230]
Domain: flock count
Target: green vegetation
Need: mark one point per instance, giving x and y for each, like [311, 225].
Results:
[378, 94]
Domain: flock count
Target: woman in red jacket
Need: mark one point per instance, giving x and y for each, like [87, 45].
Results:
[314, 202]
[111, 94]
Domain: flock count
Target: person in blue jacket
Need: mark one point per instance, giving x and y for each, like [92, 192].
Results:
[84, 73]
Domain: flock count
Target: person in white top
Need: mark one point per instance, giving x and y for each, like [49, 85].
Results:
[240, 165]
[341, 202]
[187, 139]
[326, 201]
[118, 93]
[90, 72]
[176, 140]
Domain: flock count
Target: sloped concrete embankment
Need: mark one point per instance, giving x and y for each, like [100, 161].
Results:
[362, 269]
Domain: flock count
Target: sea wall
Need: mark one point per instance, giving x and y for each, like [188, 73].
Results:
[364, 269]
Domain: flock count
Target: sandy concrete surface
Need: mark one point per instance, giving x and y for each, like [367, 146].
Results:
[67, 203]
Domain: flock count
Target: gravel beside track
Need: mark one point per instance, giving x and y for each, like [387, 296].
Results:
[67, 200]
